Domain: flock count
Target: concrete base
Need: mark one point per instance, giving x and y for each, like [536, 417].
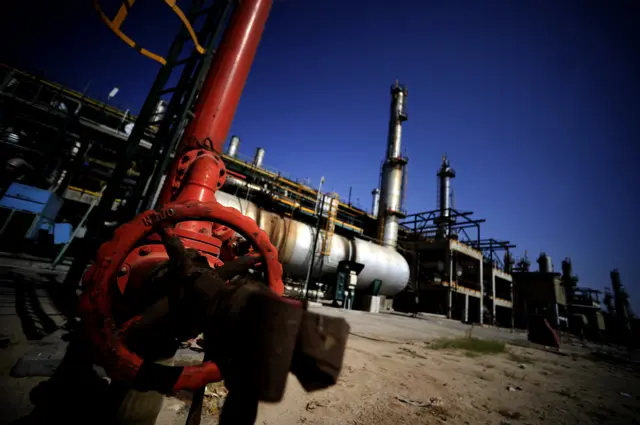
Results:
[387, 304]
[372, 304]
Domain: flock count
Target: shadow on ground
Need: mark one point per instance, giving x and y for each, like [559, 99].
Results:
[36, 323]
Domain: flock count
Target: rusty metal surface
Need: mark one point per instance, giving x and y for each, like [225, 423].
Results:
[294, 241]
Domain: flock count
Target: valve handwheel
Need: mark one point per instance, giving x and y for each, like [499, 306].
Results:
[98, 323]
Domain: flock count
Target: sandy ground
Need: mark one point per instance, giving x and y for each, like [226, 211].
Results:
[394, 382]
[391, 376]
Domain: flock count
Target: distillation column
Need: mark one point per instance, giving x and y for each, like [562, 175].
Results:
[375, 202]
[445, 174]
[390, 209]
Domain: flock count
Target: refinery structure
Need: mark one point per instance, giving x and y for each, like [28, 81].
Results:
[74, 168]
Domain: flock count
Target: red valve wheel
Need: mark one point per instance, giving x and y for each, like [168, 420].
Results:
[98, 322]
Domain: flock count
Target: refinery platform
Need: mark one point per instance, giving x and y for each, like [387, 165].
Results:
[380, 259]
[330, 249]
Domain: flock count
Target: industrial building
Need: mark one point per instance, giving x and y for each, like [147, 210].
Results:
[540, 292]
[37, 110]
[316, 233]
[61, 147]
[453, 270]
[170, 234]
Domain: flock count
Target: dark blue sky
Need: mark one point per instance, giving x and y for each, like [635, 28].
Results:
[535, 102]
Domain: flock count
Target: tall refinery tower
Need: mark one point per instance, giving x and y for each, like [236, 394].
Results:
[390, 209]
[444, 220]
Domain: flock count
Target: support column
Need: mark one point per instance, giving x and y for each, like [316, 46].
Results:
[466, 308]
[450, 292]
[513, 306]
[556, 314]
[493, 296]
[481, 281]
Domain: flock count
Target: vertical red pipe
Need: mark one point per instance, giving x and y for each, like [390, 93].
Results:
[220, 93]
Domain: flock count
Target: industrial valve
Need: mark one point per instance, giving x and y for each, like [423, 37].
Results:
[175, 272]
[253, 336]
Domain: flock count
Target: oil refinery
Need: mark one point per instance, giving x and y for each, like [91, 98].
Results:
[75, 168]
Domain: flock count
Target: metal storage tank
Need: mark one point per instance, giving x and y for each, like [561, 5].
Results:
[294, 241]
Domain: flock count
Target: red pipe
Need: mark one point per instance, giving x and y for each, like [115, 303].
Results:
[237, 175]
[202, 180]
[220, 94]
[195, 175]
[221, 91]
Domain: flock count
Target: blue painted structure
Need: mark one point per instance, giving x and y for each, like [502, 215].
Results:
[43, 204]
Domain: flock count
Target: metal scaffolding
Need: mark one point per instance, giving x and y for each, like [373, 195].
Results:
[194, 68]
[426, 225]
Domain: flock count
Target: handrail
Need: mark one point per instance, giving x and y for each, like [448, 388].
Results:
[72, 92]
[115, 24]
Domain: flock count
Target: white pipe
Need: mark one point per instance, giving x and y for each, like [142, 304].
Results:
[294, 240]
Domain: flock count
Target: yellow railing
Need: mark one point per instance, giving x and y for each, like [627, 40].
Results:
[115, 24]
[330, 226]
[297, 186]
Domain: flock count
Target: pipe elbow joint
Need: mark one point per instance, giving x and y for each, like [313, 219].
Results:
[205, 175]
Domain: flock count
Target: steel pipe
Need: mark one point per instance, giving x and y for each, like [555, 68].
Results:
[294, 241]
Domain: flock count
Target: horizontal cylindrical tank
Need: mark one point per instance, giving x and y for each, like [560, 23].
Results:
[258, 158]
[294, 241]
[233, 146]
[236, 182]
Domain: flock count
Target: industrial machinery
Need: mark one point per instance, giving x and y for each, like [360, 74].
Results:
[294, 241]
[186, 238]
[346, 282]
[113, 164]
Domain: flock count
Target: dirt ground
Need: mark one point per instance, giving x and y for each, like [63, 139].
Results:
[392, 375]
[410, 383]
